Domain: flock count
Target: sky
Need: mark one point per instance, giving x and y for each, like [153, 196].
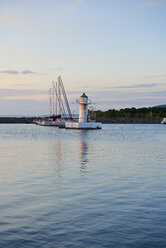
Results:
[114, 51]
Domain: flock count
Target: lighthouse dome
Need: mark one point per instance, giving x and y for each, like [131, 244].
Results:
[84, 96]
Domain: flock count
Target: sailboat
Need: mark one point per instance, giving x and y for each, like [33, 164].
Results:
[59, 106]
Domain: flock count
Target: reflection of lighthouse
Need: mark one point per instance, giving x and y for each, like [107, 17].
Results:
[83, 150]
[83, 113]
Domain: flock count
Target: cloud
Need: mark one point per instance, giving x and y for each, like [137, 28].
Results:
[7, 93]
[27, 72]
[137, 86]
[27, 107]
[78, 1]
[22, 101]
[156, 76]
[9, 72]
[13, 17]
[147, 5]
[150, 4]
[14, 72]
[57, 69]
[70, 6]
[106, 99]
[109, 98]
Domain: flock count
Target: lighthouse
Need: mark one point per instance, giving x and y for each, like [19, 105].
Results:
[83, 123]
[83, 113]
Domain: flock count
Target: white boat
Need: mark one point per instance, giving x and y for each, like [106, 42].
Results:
[163, 121]
[51, 123]
[53, 120]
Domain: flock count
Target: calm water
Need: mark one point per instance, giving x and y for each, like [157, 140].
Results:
[68, 188]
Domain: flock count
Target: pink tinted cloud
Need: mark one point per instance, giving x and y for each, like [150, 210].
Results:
[14, 72]
[9, 72]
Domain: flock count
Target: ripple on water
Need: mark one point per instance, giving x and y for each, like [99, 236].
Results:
[68, 188]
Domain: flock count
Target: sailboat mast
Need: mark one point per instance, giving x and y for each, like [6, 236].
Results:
[50, 100]
[56, 97]
[53, 99]
[59, 96]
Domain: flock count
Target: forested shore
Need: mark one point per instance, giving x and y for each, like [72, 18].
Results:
[146, 113]
[17, 120]
[151, 115]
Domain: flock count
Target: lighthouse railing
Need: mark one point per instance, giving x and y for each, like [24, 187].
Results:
[83, 101]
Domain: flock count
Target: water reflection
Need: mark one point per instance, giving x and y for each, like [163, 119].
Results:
[83, 150]
[64, 153]
[125, 196]
[55, 150]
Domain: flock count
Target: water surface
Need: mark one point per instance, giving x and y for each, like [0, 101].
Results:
[72, 188]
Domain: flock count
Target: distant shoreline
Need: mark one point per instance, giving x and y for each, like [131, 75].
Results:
[16, 120]
[120, 120]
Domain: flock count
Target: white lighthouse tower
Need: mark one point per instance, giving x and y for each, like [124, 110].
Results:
[83, 113]
[83, 123]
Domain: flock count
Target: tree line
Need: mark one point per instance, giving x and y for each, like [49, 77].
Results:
[150, 112]
[16, 119]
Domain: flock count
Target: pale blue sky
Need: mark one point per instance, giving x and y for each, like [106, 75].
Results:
[113, 50]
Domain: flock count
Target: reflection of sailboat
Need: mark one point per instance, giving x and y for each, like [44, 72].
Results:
[55, 150]
[83, 150]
